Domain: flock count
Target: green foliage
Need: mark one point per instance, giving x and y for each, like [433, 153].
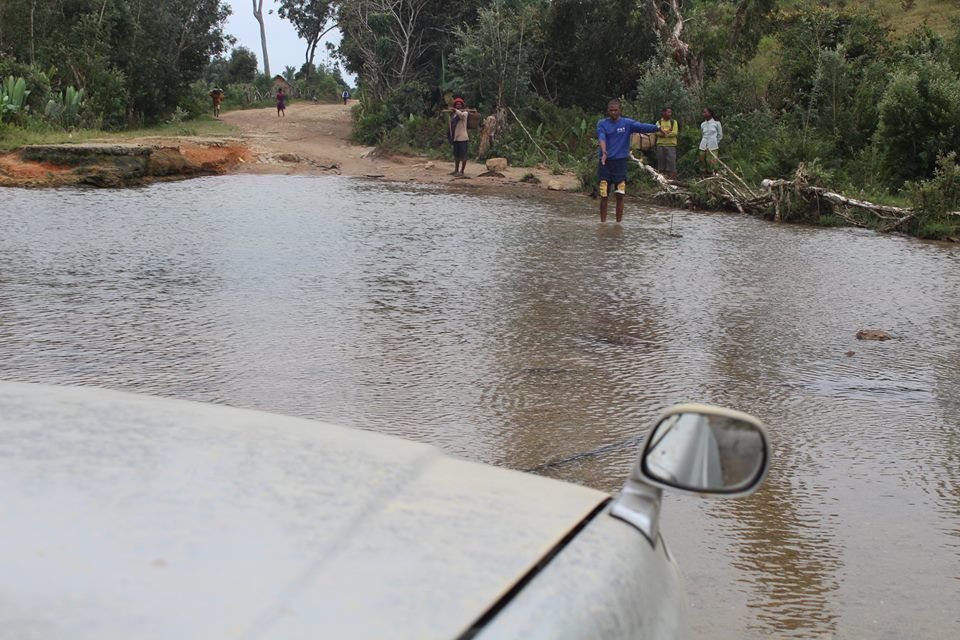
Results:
[38, 81]
[373, 120]
[134, 60]
[418, 133]
[370, 121]
[492, 58]
[662, 86]
[319, 83]
[241, 95]
[936, 199]
[13, 97]
[241, 67]
[107, 99]
[919, 117]
[196, 101]
[64, 109]
[805, 35]
[588, 52]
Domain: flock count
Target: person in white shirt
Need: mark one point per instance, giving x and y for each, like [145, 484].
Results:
[712, 134]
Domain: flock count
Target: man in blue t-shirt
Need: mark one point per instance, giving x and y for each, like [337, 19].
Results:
[613, 132]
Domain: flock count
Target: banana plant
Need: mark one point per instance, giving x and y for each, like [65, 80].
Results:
[13, 96]
[66, 107]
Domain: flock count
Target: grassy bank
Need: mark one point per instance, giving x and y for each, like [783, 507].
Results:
[13, 137]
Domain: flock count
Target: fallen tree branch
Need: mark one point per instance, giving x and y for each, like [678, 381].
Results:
[658, 177]
[779, 198]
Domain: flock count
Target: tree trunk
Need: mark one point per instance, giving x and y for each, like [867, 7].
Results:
[690, 62]
[33, 57]
[258, 14]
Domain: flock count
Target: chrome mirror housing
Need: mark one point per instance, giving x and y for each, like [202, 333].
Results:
[696, 449]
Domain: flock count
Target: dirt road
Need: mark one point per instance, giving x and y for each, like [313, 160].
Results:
[314, 139]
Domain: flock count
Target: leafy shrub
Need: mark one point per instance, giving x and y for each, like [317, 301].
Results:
[370, 121]
[240, 95]
[373, 120]
[13, 98]
[416, 134]
[919, 117]
[936, 199]
[662, 86]
[196, 101]
[65, 109]
[106, 106]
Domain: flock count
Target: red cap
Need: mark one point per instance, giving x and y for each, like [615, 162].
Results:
[458, 101]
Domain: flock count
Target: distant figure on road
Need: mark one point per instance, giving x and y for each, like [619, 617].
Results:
[345, 95]
[458, 136]
[281, 103]
[216, 94]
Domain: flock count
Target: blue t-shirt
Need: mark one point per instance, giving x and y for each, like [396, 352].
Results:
[617, 135]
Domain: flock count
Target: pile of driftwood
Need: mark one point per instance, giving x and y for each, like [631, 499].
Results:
[780, 199]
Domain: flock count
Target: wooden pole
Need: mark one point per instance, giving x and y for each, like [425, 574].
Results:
[528, 135]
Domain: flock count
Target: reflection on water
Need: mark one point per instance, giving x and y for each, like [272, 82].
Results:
[522, 333]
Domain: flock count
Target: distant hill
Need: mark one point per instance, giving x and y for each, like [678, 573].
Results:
[903, 15]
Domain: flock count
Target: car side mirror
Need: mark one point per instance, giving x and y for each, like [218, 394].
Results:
[697, 449]
[704, 449]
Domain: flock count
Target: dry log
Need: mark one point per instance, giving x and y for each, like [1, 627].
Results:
[776, 194]
[658, 177]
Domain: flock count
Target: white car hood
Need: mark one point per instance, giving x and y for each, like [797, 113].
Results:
[126, 516]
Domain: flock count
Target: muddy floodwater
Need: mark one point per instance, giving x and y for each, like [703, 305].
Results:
[523, 334]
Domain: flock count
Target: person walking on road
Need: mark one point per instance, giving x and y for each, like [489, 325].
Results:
[216, 94]
[281, 103]
[458, 136]
[712, 134]
[667, 144]
[613, 132]
[345, 95]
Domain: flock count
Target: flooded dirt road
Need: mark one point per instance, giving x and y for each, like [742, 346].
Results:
[521, 333]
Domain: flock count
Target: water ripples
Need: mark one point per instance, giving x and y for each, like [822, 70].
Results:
[521, 333]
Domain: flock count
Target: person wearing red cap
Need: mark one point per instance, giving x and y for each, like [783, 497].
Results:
[457, 134]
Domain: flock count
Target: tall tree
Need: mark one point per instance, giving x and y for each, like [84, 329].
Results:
[389, 39]
[310, 18]
[258, 14]
[668, 23]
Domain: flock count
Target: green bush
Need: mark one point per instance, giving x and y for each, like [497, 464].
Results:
[13, 98]
[919, 118]
[370, 122]
[106, 105]
[196, 101]
[662, 86]
[418, 133]
[65, 109]
[936, 199]
[373, 120]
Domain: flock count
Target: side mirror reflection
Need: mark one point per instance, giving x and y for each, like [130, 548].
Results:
[706, 450]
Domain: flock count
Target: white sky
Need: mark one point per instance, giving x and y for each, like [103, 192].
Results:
[283, 45]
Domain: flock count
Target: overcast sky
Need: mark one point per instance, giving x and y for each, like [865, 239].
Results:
[285, 48]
